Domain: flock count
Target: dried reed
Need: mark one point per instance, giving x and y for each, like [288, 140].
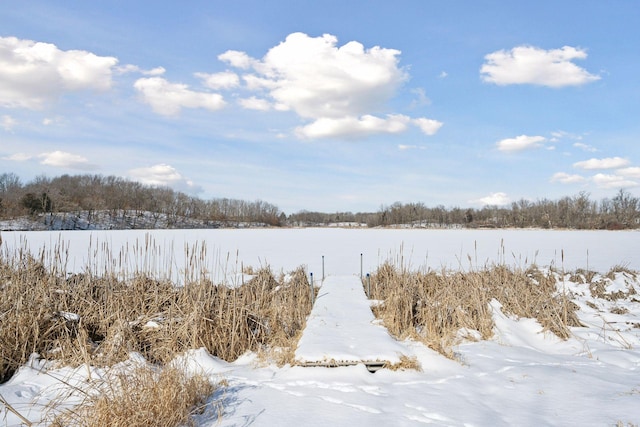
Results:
[100, 319]
[144, 397]
[435, 306]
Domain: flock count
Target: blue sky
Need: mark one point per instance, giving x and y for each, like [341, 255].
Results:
[330, 106]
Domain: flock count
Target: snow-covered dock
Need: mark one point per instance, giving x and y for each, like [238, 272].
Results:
[341, 329]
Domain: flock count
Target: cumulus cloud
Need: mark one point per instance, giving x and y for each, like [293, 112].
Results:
[566, 178]
[353, 126]
[62, 159]
[168, 98]
[316, 78]
[532, 65]
[254, 103]
[606, 163]
[34, 73]
[631, 172]
[129, 68]
[497, 199]
[613, 181]
[7, 122]
[237, 59]
[427, 126]
[520, 143]
[337, 88]
[164, 175]
[222, 80]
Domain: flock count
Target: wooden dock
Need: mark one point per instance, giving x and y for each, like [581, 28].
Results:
[341, 330]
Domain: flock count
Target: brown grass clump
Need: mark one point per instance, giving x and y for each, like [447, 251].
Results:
[146, 397]
[434, 307]
[406, 364]
[99, 320]
[598, 288]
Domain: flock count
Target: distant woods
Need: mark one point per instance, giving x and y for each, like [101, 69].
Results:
[114, 202]
[579, 212]
[90, 195]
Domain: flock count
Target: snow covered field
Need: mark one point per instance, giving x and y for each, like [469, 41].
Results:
[523, 376]
[286, 249]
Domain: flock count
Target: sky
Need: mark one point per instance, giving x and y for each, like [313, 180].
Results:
[327, 106]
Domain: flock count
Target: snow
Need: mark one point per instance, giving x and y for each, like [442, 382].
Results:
[523, 376]
[341, 329]
[167, 253]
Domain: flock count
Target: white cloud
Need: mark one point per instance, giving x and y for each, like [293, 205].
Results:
[7, 122]
[443, 75]
[254, 103]
[560, 135]
[158, 71]
[497, 199]
[257, 83]
[62, 159]
[353, 127]
[237, 59]
[566, 178]
[585, 147]
[129, 68]
[403, 147]
[612, 181]
[18, 157]
[606, 163]
[421, 98]
[33, 74]
[222, 80]
[169, 98]
[631, 172]
[164, 175]
[532, 65]
[315, 78]
[519, 143]
[427, 126]
[337, 88]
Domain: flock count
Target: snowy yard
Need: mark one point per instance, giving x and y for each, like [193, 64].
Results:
[522, 376]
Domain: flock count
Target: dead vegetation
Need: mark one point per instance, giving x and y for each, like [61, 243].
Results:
[142, 397]
[435, 306]
[99, 320]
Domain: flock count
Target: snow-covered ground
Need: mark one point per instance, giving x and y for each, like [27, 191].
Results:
[523, 376]
[164, 251]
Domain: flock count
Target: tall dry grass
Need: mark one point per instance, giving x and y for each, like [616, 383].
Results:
[434, 306]
[143, 397]
[100, 319]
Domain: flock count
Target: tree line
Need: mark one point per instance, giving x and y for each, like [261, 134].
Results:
[579, 212]
[118, 196]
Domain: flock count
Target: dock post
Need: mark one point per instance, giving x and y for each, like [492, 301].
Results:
[369, 285]
[322, 267]
[311, 287]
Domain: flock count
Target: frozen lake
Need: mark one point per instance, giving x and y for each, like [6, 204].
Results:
[224, 251]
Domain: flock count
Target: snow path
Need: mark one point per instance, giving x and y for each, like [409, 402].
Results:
[341, 329]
